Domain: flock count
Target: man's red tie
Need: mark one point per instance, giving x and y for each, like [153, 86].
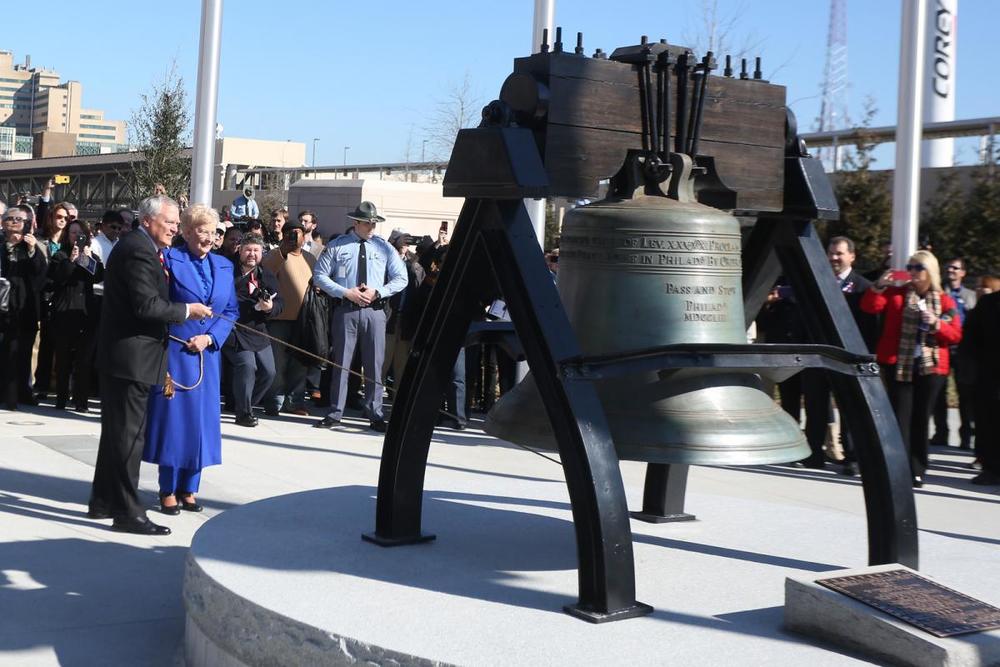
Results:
[163, 263]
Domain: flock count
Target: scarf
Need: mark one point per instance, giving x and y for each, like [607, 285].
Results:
[918, 349]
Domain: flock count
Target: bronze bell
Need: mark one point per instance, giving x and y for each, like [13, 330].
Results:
[648, 270]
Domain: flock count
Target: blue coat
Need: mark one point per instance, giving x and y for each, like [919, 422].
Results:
[185, 431]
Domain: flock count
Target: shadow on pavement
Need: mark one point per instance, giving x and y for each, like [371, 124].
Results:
[481, 552]
[92, 602]
[378, 456]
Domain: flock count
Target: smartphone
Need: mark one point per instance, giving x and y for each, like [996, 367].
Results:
[60, 180]
[899, 277]
[444, 225]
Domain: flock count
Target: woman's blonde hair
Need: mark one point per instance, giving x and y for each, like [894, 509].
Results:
[198, 215]
[927, 258]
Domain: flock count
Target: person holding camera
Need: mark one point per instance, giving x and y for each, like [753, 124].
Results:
[359, 270]
[73, 272]
[250, 354]
[294, 269]
[920, 324]
[23, 267]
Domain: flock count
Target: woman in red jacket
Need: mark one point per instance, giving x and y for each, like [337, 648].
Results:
[919, 323]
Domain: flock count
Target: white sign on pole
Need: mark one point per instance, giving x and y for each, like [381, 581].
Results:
[939, 78]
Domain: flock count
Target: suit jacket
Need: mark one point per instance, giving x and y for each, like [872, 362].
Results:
[853, 287]
[981, 345]
[241, 339]
[136, 311]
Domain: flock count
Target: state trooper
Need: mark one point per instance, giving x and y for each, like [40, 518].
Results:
[360, 271]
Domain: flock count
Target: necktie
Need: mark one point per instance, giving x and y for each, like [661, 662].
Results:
[163, 264]
[362, 265]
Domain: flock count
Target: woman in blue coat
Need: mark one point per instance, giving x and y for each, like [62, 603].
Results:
[183, 432]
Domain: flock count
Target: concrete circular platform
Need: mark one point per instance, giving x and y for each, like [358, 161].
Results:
[288, 580]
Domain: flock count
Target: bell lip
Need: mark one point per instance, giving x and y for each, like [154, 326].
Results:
[790, 453]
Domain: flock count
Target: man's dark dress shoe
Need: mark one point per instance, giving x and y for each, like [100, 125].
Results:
[850, 468]
[378, 425]
[98, 514]
[246, 420]
[29, 400]
[327, 422]
[918, 482]
[139, 526]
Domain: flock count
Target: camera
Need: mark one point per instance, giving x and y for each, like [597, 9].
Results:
[82, 243]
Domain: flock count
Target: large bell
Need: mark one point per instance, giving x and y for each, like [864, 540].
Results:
[649, 271]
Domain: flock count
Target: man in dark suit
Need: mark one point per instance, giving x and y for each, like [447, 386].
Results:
[840, 252]
[131, 356]
[250, 354]
[981, 346]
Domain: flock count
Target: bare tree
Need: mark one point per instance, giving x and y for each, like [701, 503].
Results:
[722, 33]
[459, 107]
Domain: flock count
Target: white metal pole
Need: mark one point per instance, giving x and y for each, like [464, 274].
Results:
[906, 181]
[544, 19]
[939, 75]
[206, 102]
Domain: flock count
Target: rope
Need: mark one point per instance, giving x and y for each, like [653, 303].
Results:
[324, 360]
[169, 384]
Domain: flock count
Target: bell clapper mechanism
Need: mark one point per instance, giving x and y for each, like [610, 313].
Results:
[641, 353]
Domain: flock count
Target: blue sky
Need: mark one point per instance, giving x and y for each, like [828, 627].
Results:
[367, 74]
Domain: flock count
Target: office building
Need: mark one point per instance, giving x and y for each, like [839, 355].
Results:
[32, 100]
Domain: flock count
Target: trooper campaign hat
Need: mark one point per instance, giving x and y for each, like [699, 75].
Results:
[366, 212]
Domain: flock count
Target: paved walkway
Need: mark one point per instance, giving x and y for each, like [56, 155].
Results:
[72, 592]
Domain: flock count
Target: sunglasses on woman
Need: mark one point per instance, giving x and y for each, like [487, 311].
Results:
[916, 267]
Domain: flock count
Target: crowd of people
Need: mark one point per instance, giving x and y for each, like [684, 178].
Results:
[175, 313]
[186, 313]
[923, 327]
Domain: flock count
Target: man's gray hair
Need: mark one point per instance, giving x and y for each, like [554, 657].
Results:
[150, 207]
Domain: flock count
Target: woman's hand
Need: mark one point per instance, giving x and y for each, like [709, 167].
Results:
[74, 254]
[884, 280]
[928, 318]
[199, 343]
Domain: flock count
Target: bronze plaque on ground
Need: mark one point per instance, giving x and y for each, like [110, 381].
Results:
[928, 605]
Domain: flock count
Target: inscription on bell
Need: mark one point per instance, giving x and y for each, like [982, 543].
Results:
[663, 250]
